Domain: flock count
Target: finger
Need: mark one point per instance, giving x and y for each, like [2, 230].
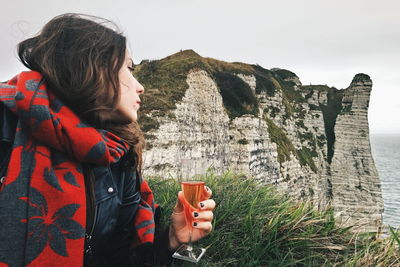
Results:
[179, 206]
[204, 226]
[208, 204]
[206, 193]
[206, 215]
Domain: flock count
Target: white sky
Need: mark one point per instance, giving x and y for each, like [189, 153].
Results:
[323, 42]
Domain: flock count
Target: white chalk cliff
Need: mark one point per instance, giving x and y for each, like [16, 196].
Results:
[311, 142]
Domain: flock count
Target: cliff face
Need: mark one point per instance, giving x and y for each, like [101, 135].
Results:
[311, 142]
[355, 183]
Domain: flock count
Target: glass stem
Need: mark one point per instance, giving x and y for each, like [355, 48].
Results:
[189, 246]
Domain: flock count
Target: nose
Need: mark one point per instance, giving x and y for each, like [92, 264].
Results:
[139, 89]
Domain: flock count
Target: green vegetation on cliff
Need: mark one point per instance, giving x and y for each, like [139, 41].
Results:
[361, 77]
[256, 226]
[265, 82]
[236, 94]
[291, 98]
[330, 112]
[283, 143]
[285, 147]
[165, 83]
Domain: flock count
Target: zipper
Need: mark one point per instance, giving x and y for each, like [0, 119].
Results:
[92, 209]
[90, 235]
[2, 180]
[3, 168]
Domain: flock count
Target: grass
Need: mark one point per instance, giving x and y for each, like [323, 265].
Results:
[256, 226]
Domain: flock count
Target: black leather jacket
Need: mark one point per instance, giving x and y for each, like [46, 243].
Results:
[116, 197]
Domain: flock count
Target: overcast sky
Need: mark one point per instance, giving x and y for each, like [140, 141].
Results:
[323, 42]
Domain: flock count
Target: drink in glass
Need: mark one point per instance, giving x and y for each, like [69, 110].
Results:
[192, 190]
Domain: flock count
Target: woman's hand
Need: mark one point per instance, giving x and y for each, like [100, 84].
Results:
[179, 230]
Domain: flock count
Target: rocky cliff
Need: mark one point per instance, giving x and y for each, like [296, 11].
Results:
[311, 142]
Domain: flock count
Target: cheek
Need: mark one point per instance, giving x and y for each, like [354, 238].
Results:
[126, 109]
[126, 80]
[128, 99]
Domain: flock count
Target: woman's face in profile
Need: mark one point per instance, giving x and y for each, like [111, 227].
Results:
[130, 91]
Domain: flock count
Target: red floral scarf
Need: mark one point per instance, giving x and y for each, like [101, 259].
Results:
[43, 202]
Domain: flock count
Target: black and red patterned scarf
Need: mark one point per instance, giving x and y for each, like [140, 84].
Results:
[42, 201]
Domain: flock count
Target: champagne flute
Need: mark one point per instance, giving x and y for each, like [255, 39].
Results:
[192, 191]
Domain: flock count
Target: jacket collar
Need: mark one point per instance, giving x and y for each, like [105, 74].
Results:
[8, 123]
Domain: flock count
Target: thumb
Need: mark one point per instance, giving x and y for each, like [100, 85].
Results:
[179, 206]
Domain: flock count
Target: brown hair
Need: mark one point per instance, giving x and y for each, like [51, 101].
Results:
[80, 59]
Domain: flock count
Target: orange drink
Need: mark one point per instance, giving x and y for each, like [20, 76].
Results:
[192, 190]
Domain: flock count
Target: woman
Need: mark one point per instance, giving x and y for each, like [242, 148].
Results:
[71, 154]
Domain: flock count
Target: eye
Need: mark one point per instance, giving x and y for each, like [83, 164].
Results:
[131, 68]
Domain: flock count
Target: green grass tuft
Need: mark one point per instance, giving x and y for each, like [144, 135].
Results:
[256, 226]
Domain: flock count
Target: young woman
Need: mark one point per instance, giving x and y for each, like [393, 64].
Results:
[71, 192]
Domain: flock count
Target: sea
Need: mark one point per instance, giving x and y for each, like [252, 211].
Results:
[386, 153]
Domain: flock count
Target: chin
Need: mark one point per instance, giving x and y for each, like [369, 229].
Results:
[134, 117]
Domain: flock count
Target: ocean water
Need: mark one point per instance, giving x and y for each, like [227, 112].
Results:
[386, 152]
